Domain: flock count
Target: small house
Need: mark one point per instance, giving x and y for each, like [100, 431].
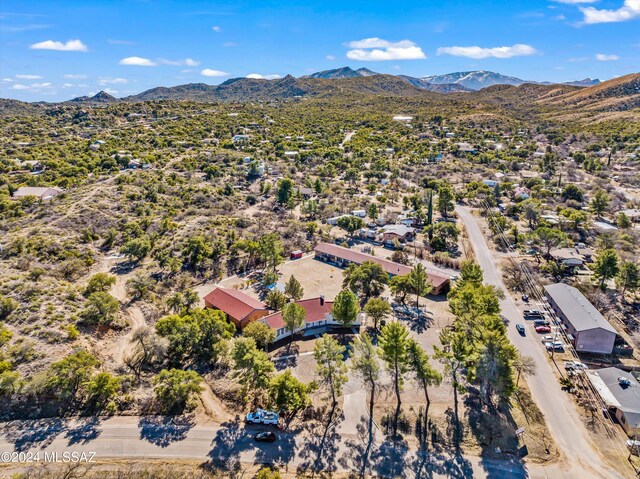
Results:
[43, 193]
[297, 254]
[620, 392]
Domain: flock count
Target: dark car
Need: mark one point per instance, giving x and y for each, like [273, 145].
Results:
[264, 437]
[541, 322]
[520, 329]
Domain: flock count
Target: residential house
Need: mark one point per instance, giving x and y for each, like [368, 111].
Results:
[620, 392]
[521, 193]
[466, 148]
[43, 193]
[588, 329]
[399, 232]
[490, 183]
[334, 221]
[318, 319]
[240, 138]
[343, 257]
[239, 307]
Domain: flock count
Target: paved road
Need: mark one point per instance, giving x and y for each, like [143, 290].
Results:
[562, 418]
[232, 445]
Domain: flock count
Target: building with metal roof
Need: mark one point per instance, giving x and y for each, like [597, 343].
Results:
[591, 332]
[620, 391]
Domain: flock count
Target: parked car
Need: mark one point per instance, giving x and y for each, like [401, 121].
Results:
[520, 329]
[265, 436]
[554, 346]
[260, 416]
[525, 298]
[543, 329]
[541, 322]
[546, 339]
[575, 365]
[533, 313]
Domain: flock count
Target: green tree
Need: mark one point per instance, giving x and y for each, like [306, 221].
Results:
[345, 308]
[176, 390]
[293, 316]
[289, 394]
[267, 473]
[196, 250]
[572, 192]
[65, 378]
[420, 284]
[368, 279]
[445, 199]
[293, 289]
[454, 354]
[139, 286]
[424, 374]
[5, 335]
[605, 266]
[99, 283]
[493, 368]
[377, 309]
[275, 299]
[252, 367]
[599, 202]
[548, 238]
[442, 236]
[623, 221]
[400, 287]
[100, 308]
[373, 212]
[270, 250]
[470, 272]
[330, 365]
[102, 390]
[7, 306]
[285, 191]
[350, 224]
[394, 341]
[364, 364]
[628, 278]
[136, 249]
[262, 334]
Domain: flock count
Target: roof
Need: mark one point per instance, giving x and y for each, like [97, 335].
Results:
[400, 230]
[315, 312]
[235, 303]
[626, 398]
[579, 311]
[390, 267]
[38, 191]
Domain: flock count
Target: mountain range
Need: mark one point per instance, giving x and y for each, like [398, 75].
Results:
[328, 82]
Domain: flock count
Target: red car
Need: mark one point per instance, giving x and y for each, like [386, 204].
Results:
[543, 329]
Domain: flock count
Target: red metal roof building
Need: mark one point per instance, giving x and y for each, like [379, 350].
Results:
[344, 256]
[239, 307]
[318, 313]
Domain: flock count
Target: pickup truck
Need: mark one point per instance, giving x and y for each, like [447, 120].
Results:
[260, 416]
[575, 365]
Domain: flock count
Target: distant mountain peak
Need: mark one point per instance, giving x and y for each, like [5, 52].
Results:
[344, 72]
[100, 97]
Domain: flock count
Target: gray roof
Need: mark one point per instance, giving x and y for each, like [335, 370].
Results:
[577, 309]
[626, 398]
[400, 229]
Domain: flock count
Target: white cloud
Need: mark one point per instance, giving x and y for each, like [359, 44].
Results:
[7, 80]
[110, 91]
[71, 76]
[629, 10]
[67, 85]
[601, 57]
[216, 28]
[112, 81]
[189, 62]
[137, 61]
[229, 44]
[208, 72]
[29, 77]
[70, 46]
[377, 49]
[330, 57]
[496, 52]
[265, 77]
[40, 85]
[19, 86]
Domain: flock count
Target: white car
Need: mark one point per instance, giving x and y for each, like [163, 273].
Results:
[260, 416]
[575, 365]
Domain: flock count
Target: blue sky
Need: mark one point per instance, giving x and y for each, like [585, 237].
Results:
[56, 50]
